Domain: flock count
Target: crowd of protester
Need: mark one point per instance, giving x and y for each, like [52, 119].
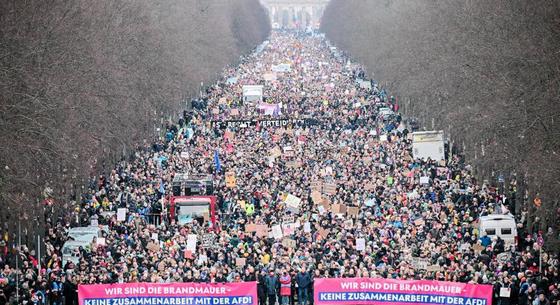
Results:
[344, 141]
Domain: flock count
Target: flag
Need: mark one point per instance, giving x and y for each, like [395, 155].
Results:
[161, 187]
[217, 161]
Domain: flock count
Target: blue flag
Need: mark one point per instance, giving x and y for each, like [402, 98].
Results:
[217, 161]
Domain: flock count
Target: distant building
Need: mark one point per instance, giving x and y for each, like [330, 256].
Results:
[295, 14]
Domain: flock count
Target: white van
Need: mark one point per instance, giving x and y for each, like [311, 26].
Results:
[84, 233]
[503, 226]
[70, 251]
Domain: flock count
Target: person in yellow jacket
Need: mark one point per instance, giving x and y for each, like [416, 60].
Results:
[265, 259]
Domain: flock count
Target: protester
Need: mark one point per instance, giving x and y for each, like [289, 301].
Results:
[303, 281]
[285, 287]
[272, 285]
[402, 208]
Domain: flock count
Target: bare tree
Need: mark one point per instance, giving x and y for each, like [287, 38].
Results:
[81, 81]
[487, 72]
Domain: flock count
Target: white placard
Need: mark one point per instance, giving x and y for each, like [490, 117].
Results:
[505, 292]
[154, 236]
[360, 244]
[101, 241]
[424, 180]
[307, 227]
[191, 243]
[94, 222]
[420, 263]
[121, 214]
[202, 259]
[277, 231]
[292, 203]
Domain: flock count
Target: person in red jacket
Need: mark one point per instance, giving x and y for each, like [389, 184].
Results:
[285, 287]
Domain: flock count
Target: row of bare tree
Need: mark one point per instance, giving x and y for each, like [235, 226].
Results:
[82, 82]
[486, 72]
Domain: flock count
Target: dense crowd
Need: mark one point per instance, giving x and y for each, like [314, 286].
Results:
[380, 195]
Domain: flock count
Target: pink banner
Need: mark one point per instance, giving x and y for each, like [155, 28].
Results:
[269, 109]
[173, 293]
[368, 291]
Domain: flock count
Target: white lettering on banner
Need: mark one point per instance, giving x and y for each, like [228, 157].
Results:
[403, 287]
[262, 123]
[165, 290]
[398, 297]
[171, 301]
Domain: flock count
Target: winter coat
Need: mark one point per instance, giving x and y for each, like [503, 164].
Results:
[285, 285]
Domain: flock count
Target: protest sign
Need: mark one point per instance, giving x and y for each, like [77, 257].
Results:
[307, 227]
[231, 181]
[323, 232]
[292, 164]
[505, 292]
[262, 231]
[419, 263]
[288, 151]
[353, 211]
[94, 221]
[419, 222]
[360, 244]
[276, 152]
[329, 188]
[288, 228]
[338, 208]
[121, 214]
[289, 243]
[191, 242]
[316, 186]
[316, 197]
[292, 203]
[240, 261]
[277, 231]
[288, 218]
[433, 268]
[251, 227]
[269, 77]
[208, 240]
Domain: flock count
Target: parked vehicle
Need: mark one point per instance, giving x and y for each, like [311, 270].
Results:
[503, 226]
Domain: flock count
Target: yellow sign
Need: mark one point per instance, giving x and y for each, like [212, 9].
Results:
[231, 181]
